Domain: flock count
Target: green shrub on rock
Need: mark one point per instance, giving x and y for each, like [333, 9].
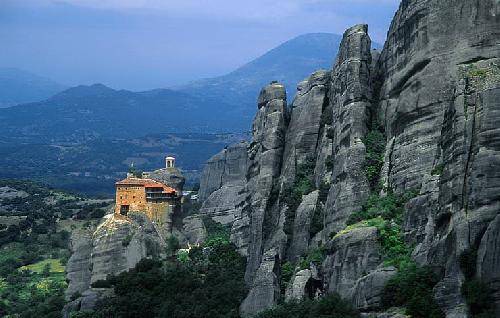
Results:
[374, 159]
[477, 293]
[331, 306]
[210, 283]
[292, 195]
[287, 271]
[412, 288]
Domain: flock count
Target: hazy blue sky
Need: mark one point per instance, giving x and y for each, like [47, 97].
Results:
[141, 44]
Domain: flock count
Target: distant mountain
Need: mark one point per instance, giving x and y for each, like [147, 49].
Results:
[87, 112]
[221, 104]
[19, 87]
[86, 134]
[289, 63]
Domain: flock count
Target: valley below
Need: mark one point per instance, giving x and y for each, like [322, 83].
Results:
[94, 165]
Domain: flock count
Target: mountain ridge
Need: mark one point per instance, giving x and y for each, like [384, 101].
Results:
[19, 87]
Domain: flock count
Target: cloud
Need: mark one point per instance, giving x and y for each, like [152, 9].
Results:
[253, 10]
[152, 43]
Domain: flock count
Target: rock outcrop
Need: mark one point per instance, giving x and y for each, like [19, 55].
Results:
[351, 256]
[264, 291]
[265, 154]
[227, 167]
[304, 128]
[171, 176]
[350, 96]
[432, 96]
[194, 230]
[117, 244]
[366, 293]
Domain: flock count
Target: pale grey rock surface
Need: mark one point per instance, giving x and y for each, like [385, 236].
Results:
[228, 166]
[349, 257]
[264, 167]
[304, 128]
[116, 245]
[351, 97]
[434, 91]
[194, 230]
[366, 294]
[170, 176]
[488, 261]
[301, 237]
[79, 266]
[264, 291]
[225, 204]
[296, 289]
[119, 243]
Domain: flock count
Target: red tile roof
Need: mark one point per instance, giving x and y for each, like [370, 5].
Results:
[147, 183]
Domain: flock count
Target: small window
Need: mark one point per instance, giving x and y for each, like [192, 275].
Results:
[121, 197]
[124, 209]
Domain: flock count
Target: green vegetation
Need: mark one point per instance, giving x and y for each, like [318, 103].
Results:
[412, 288]
[331, 306]
[315, 256]
[206, 281]
[217, 234]
[127, 239]
[378, 222]
[54, 266]
[137, 173]
[287, 271]
[477, 293]
[172, 245]
[302, 185]
[92, 166]
[317, 222]
[437, 170]
[386, 213]
[478, 77]
[394, 248]
[35, 290]
[374, 160]
[34, 249]
[389, 207]
[329, 163]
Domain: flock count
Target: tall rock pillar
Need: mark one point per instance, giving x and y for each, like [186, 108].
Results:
[264, 158]
[350, 98]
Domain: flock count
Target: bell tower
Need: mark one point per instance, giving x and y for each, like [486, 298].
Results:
[169, 162]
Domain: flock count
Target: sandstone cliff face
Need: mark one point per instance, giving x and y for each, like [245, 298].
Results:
[265, 154]
[228, 166]
[434, 94]
[350, 98]
[222, 185]
[439, 103]
[116, 245]
[304, 129]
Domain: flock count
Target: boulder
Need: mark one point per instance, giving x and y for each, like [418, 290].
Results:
[367, 291]
[349, 257]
